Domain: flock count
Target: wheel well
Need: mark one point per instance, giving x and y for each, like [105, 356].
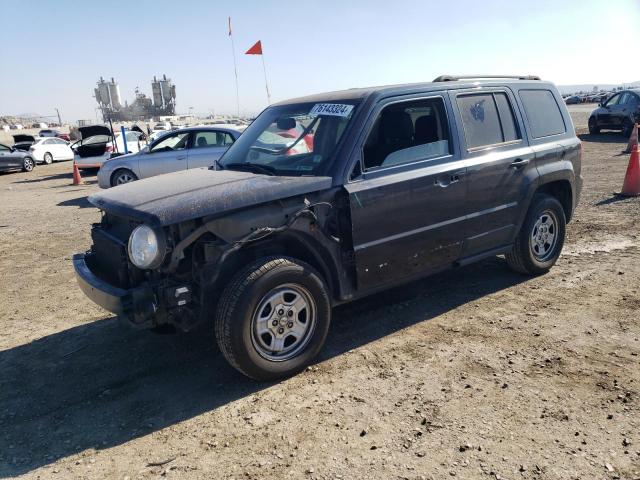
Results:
[561, 190]
[285, 246]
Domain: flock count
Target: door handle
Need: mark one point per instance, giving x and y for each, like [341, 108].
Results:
[181, 157]
[519, 163]
[444, 181]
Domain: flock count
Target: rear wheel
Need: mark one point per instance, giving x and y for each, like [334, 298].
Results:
[122, 176]
[273, 318]
[593, 126]
[28, 164]
[47, 158]
[539, 243]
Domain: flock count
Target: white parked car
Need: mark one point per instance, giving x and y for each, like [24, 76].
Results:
[162, 126]
[49, 150]
[97, 145]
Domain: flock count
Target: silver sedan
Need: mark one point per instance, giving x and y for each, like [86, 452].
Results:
[182, 149]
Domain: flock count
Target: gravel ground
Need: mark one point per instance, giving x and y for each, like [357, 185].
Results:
[474, 373]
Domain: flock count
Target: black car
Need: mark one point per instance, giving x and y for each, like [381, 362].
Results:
[618, 112]
[12, 158]
[23, 142]
[394, 183]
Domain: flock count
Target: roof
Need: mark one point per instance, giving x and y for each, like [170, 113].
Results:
[354, 94]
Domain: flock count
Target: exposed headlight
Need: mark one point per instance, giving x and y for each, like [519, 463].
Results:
[146, 247]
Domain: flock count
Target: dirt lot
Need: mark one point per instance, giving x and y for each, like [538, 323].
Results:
[475, 373]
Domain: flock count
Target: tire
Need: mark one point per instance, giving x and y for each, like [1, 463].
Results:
[532, 252]
[122, 176]
[593, 126]
[253, 312]
[28, 164]
[627, 128]
[47, 158]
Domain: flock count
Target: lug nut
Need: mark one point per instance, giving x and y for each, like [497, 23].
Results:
[274, 323]
[281, 312]
[290, 313]
[290, 325]
[281, 330]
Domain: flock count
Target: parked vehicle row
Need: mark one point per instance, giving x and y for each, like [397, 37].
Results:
[183, 149]
[367, 189]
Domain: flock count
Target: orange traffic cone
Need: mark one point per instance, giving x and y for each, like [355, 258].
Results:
[77, 179]
[631, 186]
[633, 140]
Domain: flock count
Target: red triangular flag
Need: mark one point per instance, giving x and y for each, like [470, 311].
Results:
[255, 50]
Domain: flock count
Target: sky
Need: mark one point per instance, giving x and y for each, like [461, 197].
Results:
[52, 55]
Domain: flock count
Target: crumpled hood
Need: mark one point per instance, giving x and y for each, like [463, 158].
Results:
[189, 194]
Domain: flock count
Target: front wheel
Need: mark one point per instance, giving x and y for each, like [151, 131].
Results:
[539, 243]
[593, 126]
[47, 158]
[627, 128]
[273, 318]
[28, 164]
[122, 176]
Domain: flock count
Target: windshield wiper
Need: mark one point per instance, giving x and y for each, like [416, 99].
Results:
[252, 167]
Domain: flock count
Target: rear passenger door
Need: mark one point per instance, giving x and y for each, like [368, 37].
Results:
[207, 146]
[408, 192]
[499, 166]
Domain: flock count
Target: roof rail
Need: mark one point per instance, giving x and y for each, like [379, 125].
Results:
[453, 78]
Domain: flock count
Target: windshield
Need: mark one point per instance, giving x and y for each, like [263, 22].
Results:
[296, 139]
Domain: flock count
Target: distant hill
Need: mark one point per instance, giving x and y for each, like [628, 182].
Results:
[588, 87]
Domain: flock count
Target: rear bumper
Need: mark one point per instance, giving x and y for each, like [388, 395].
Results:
[90, 162]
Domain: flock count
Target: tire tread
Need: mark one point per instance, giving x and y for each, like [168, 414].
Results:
[229, 300]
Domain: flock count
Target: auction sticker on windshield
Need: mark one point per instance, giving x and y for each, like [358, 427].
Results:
[333, 109]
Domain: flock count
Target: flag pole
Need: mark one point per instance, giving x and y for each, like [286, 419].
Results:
[235, 69]
[266, 83]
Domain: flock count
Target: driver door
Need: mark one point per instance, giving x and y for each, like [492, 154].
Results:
[606, 119]
[167, 155]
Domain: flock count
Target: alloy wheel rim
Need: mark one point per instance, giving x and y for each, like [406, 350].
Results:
[124, 178]
[283, 323]
[544, 236]
[28, 164]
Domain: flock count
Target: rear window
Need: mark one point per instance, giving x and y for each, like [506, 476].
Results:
[543, 112]
[487, 119]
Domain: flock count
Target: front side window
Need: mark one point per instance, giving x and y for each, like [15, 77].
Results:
[543, 113]
[171, 143]
[206, 139]
[294, 139]
[407, 132]
[487, 119]
[613, 100]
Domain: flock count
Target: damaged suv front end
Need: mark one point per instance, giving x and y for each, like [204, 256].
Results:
[153, 266]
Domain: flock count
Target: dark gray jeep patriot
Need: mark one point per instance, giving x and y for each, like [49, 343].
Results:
[332, 197]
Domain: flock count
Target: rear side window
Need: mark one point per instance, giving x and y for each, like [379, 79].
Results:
[543, 113]
[487, 119]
